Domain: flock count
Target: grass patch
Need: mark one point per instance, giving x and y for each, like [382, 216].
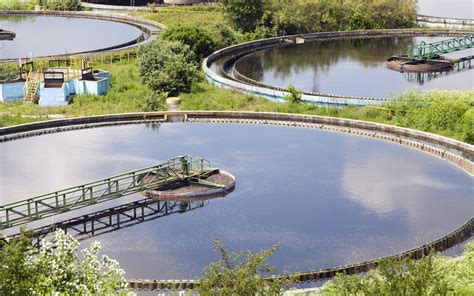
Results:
[445, 113]
[186, 15]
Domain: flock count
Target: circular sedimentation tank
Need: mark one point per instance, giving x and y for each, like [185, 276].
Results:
[335, 68]
[331, 191]
[50, 33]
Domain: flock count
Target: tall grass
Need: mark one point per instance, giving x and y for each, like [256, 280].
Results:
[446, 113]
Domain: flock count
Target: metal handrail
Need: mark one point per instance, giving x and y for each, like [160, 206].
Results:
[425, 50]
[177, 169]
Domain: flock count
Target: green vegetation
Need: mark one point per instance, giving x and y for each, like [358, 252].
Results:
[167, 66]
[200, 40]
[198, 16]
[57, 269]
[454, 115]
[71, 5]
[244, 15]
[432, 275]
[281, 17]
[8, 72]
[294, 96]
[448, 113]
[240, 274]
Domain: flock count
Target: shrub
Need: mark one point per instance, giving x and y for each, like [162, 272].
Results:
[244, 15]
[70, 5]
[201, 41]
[294, 95]
[154, 102]
[466, 126]
[428, 276]
[434, 111]
[8, 72]
[167, 66]
[56, 268]
[240, 274]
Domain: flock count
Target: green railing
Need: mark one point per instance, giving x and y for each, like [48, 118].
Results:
[179, 169]
[423, 50]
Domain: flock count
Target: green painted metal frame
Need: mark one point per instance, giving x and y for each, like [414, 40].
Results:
[423, 50]
[179, 169]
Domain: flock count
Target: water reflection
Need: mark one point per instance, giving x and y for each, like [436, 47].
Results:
[42, 36]
[328, 198]
[116, 218]
[345, 67]
[421, 78]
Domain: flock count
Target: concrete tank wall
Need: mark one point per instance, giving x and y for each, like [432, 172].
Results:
[12, 92]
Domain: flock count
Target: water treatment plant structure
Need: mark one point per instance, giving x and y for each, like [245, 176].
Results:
[254, 145]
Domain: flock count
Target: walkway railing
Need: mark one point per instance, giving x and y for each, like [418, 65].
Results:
[179, 169]
[425, 50]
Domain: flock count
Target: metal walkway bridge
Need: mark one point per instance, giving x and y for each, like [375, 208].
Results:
[112, 219]
[423, 50]
[174, 171]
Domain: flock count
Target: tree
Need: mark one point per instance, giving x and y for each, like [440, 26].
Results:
[240, 274]
[200, 41]
[167, 66]
[244, 15]
[56, 268]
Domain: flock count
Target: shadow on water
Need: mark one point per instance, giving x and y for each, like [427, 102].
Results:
[116, 218]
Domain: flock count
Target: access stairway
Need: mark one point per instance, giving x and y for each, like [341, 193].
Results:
[33, 81]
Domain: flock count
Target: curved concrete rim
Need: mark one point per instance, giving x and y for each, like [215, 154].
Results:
[442, 19]
[148, 28]
[435, 144]
[234, 53]
[430, 143]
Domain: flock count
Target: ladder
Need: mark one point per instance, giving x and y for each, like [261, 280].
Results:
[32, 83]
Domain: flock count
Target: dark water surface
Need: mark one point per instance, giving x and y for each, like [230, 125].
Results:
[44, 35]
[328, 198]
[447, 8]
[349, 67]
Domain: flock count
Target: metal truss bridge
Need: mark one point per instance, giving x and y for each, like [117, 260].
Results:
[174, 171]
[424, 51]
[112, 219]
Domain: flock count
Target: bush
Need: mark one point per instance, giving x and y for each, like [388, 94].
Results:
[8, 72]
[281, 17]
[435, 111]
[428, 276]
[294, 95]
[244, 15]
[56, 269]
[69, 5]
[466, 126]
[225, 36]
[154, 102]
[240, 274]
[167, 66]
[201, 41]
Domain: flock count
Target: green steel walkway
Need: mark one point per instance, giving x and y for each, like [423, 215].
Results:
[423, 50]
[174, 171]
